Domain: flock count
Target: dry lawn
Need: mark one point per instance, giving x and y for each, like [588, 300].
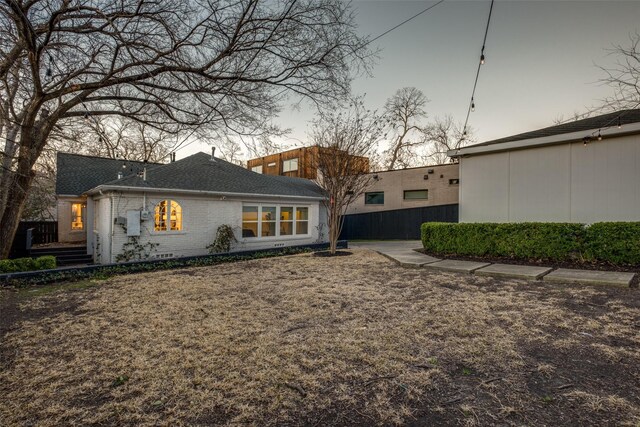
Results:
[303, 340]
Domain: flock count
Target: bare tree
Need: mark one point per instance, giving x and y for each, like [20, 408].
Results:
[172, 64]
[403, 112]
[624, 76]
[345, 140]
[444, 135]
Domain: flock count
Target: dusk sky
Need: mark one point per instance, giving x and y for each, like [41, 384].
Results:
[542, 60]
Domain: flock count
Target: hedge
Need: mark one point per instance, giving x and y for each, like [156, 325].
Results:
[612, 242]
[46, 262]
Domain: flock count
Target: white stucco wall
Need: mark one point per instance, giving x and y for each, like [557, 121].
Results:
[560, 183]
[201, 217]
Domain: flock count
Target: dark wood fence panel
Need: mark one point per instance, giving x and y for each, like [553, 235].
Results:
[402, 224]
[42, 232]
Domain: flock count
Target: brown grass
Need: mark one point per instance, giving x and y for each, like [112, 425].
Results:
[314, 341]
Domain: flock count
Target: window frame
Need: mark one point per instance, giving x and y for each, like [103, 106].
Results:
[168, 229]
[253, 169]
[289, 162]
[404, 194]
[366, 195]
[278, 221]
[81, 215]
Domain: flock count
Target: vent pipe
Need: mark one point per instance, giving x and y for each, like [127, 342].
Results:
[144, 174]
[119, 175]
[213, 154]
[173, 157]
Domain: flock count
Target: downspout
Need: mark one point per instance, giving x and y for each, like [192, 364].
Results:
[110, 227]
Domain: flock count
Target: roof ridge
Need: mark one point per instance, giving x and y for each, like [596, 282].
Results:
[66, 153]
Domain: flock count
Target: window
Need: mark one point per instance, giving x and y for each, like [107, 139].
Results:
[454, 181]
[268, 222]
[273, 221]
[416, 194]
[168, 216]
[77, 216]
[272, 164]
[286, 221]
[257, 169]
[374, 198]
[249, 221]
[290, 165]
[302, 220]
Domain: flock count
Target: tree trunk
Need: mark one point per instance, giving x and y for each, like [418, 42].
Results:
[18, 187]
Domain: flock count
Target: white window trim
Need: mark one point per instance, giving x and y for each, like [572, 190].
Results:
[289, 162]
[278, 206]
[152, 222]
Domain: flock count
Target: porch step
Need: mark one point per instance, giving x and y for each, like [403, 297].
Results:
[71, 255]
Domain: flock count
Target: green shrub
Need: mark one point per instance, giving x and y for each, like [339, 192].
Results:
[614, 242]
[46, 262]
[7, 266]
[539, 240]
[24, 264]
[547, 241]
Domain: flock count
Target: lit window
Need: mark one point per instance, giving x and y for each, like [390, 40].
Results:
[302, 220]
[273, 221]
[268, 222]
[257, 169]
[374, 198]
[416, 194]
[290, 165]
[286, 221]
[77, 216]
[168, 216]
[249, 221]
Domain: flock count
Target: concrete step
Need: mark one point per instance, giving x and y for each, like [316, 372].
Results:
[567, 275]
[457, 266]
[511, 270]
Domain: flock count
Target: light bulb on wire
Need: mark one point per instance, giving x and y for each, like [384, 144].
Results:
[482, 59]
[473, 105]
[599, 136]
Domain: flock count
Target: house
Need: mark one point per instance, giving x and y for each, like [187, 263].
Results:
[398, 201]
[174, 209]
[409, 188]
[583, 171]
[299, 162]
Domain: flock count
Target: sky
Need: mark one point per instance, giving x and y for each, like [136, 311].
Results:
[542, 60]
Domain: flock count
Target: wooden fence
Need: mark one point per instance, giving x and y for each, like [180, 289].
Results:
[42, 232]
[402, 224]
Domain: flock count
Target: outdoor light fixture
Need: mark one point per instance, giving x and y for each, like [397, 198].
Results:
[619, 124]
[599, 136]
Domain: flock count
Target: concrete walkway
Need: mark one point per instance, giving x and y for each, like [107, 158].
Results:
[402, 251]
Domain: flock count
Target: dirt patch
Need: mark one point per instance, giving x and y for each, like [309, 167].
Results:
[326, 254]
[302, 340]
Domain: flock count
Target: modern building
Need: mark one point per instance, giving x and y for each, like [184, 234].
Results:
[299, 163]
[409, 188]
[583, 171]
[174, 209]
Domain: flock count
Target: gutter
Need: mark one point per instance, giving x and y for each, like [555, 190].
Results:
[195, 192]
[565, 138]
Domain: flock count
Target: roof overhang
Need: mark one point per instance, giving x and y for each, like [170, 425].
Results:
[565, 138]
[102, 188]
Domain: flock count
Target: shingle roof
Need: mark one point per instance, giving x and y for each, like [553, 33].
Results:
[598, 122]
[199, 173]
[77, 173]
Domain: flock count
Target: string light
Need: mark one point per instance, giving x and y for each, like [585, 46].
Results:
[86, 115]
[599, 135]
[472, 106]
[619, 123]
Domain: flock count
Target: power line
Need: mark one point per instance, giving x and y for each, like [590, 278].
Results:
[472, 104]
[402, 23]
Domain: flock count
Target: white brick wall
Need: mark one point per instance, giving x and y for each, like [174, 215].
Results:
[201, 218]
